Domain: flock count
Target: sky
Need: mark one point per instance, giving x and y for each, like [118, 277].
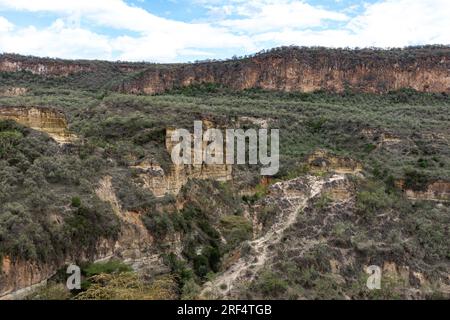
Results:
[190, 30]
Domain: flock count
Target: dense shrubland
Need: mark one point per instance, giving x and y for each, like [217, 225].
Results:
[48, 205]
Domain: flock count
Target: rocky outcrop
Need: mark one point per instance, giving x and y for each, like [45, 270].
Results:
[12, 91]
[321, 160]
[42, 67]
[47, 120]
[18, 277]
[307, 70]
[161, 182]
[59, 67]
[438, 190]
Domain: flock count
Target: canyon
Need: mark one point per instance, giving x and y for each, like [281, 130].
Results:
[363, 176]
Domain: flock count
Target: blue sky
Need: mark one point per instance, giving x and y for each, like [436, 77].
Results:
[189, 30]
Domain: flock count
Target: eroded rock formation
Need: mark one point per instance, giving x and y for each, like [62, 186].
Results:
[438, 190]
[290, 69]
[290, 197]
[171, 182]
[12, 91]
[59, 67]
[321, 160]
[47, 120]
[307, 70]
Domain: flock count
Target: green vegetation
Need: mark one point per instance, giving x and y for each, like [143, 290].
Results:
[236, 229]
[112, 266]
[50, 210]
[129, 286]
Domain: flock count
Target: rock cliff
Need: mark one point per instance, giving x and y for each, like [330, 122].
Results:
[58, 67]
[46, 120]
[171, 182]
[290, 69]
[307, 70]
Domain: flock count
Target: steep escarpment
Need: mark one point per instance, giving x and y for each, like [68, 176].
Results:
[307, 70]
[57, 67]
[289, 69]
[133, 245]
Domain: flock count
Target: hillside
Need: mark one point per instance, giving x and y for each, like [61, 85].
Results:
[86, 177]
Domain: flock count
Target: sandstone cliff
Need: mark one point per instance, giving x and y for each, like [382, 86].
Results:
[46, 120]
[290, 69]
[307, 70]
[438, 190]
[161, 183]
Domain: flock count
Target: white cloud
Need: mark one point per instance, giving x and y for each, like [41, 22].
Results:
[159, 38]
[5, 25]
[57, 41]
[241, 26]
[403, 22]
[389, 23]
[272, 15]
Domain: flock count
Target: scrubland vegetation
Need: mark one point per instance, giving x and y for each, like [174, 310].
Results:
[49, 207]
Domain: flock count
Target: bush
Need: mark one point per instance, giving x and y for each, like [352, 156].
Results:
[201, 265]
[270, 284]
[372, 199]
[190, 290]
[76, 202]
[129, 286]
[112, 266]
[159, 224]
[235, 229]
[415, 180]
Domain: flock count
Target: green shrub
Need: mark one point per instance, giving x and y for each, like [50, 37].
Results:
[159, 224]
[323, 201]
[235, 229]
[415, 180]
[112, 266]
[270, 284]
[372, 199]
[201, 265]
[76, 202]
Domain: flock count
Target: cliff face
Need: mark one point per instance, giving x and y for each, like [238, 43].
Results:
[58, 67]
[171, 182]
[438, 190]
[307, 70]
[46, 120]
[287, 69]
[9, 64]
